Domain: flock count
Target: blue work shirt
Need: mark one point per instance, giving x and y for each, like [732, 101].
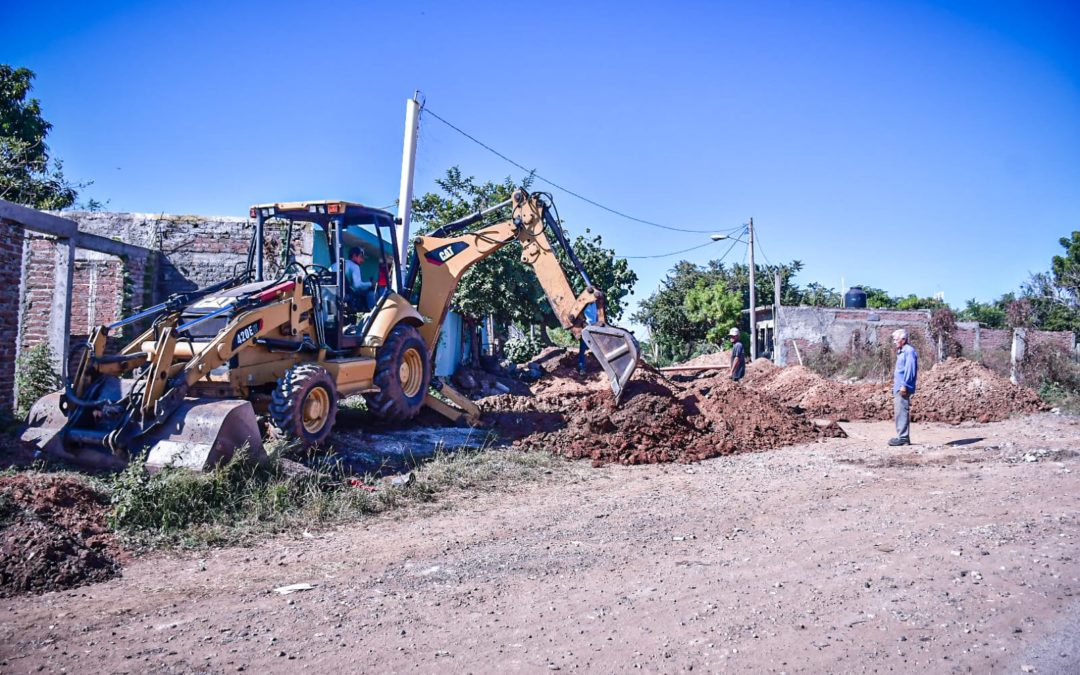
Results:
[591, 314]
[907, 369]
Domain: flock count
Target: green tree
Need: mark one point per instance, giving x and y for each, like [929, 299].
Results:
[876, 298]
[716, 306]
[1050, 305]
[819, 295]
[987, 314]
[672, 331]
[912, 301]
[27, 174]
[675, 331]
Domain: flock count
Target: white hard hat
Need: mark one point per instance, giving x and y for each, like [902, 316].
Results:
[733, 331]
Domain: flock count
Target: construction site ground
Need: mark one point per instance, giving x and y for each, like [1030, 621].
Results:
[957, 554]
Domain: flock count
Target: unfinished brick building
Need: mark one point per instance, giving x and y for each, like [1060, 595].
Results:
[86, 269]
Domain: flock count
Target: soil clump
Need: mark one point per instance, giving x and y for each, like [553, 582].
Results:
[53, 534]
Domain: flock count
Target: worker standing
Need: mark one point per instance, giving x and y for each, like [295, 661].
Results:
[591, 317]
[738, 356]
[907, 370]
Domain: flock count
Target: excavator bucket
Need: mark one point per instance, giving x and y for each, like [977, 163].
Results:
[616, 350]
[201, 434]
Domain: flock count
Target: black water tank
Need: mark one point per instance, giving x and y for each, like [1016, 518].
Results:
[855, 297]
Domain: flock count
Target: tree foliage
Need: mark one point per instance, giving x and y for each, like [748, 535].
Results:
[501, 285]
[27, 174]
[716, 306]
[1053, 297]
[987, 314]
[677, 328]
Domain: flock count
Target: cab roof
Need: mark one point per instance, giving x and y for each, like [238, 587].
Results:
[321, 211]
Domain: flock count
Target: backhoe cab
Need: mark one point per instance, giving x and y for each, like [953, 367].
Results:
[287, 347]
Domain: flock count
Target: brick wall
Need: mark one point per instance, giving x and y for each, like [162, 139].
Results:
[39, 279]
[1060, 339]
[11, 256]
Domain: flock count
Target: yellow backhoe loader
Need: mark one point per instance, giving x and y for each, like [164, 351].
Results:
[189, 389]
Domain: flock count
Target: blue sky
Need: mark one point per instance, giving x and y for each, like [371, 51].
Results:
[913, 146]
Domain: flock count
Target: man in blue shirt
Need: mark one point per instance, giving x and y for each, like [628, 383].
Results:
[907, 370]
[591, 317]
[359, 293]
[738, 356]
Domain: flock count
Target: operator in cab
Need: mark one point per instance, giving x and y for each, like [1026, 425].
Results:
[359, 293]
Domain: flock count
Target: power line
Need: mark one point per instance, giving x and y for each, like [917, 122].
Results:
[560, 187]
[757, 242]
[685, 250]
[666, 255]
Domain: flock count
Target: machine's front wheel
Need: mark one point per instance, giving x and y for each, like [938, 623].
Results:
[304, 404]
[402, 374]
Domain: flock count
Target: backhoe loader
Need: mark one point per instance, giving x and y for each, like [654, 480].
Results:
[190, 389]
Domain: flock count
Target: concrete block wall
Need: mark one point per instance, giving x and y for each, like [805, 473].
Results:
[842, 329]
[812, 327]
[11, 262]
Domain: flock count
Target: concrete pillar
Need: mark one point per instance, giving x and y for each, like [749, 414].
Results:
[60, 316]
[1019, 345]
[778, 338]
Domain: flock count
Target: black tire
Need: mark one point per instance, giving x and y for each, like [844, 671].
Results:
[402, 374]
[304, 404]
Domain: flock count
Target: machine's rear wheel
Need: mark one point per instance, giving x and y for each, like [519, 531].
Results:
[304, 403]
[402, 374]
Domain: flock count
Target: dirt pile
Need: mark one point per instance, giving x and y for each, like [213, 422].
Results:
[820, 398]
[954, 391]
[721, 359]
[958, 390]
[662, 421]
[53, 534]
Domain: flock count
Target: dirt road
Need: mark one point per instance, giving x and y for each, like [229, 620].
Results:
[839, 556]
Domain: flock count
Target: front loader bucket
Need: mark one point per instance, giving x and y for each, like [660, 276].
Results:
[199, 435]
[203, 433]
[616, 350]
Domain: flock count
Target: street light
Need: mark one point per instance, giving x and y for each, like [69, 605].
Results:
[753, 290]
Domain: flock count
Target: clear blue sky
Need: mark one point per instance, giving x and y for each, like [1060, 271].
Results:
[913, 146]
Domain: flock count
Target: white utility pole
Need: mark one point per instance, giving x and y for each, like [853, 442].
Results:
[753, 292]
[408, 163]
[777, 341]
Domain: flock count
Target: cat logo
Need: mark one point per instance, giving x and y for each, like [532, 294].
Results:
[442, 254]
[246, 333]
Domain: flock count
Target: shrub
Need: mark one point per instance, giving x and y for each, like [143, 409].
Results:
[863, 362]
[34, 377]
[1046, 364]
[562, 337]
[522, 349]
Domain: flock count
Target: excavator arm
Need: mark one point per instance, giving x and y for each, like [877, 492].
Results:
[443, 257]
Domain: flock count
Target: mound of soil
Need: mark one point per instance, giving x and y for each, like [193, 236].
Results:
[662, 421]
[953, 391]
[53, 534]
[721, 359]
[958, 390]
